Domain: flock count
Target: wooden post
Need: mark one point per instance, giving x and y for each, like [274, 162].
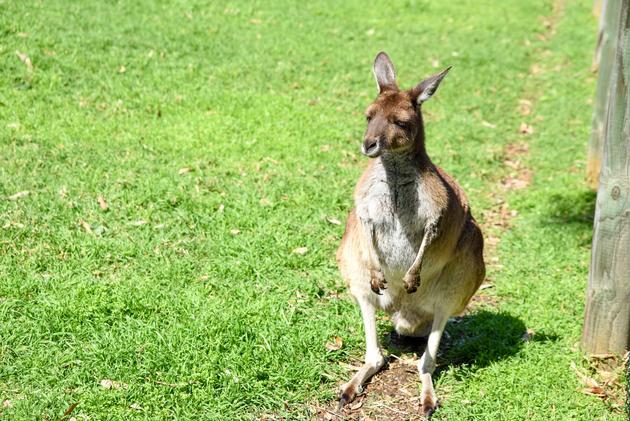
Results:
[597, 8]
[603, 63]
[607, 317]
[599, 12]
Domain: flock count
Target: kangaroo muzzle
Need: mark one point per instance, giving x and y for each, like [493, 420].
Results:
[371, 147]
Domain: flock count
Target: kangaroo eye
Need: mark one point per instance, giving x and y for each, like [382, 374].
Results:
[368, 118]
[401, 124]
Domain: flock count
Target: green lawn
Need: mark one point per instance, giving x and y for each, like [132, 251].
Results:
[221, 137]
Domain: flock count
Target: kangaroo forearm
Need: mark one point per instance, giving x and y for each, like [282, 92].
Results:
[412, 278]
[416, 266]
[377, 279]
[429, 235]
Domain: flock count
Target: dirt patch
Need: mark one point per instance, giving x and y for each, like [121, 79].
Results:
[498, 218]
[520, 176]
[392, 394]
[481, 300]
[517, 181]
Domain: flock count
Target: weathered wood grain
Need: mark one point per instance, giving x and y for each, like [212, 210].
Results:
[603, 63]
[607, 317]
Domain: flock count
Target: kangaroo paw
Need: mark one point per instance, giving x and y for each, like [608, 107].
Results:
[377, 281]
[411, 282]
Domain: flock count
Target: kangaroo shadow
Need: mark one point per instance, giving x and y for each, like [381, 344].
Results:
[475, 340]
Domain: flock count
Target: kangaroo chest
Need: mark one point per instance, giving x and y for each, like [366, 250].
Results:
[395, 212]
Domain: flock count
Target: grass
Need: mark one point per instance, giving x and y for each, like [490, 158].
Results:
[222, 137]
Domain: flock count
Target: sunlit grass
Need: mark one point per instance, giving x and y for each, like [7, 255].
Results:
[222, 136]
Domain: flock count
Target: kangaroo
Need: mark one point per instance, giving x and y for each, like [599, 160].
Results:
[411, 246]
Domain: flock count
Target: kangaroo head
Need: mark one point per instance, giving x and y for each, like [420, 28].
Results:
[394, 119]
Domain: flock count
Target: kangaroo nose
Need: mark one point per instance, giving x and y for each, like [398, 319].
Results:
[370, 146]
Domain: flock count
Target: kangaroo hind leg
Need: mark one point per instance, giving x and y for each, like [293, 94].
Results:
[426, 365]
[373, 356]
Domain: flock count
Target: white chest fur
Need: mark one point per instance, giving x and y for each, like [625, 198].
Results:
[393, 207]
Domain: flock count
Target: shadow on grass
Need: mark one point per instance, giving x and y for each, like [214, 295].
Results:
[572, 211]
[476, 340]
[572, 207]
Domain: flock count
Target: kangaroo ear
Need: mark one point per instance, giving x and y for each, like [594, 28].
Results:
[425, 89]
[384, 72]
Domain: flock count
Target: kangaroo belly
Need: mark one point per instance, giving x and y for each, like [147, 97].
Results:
[395, 247]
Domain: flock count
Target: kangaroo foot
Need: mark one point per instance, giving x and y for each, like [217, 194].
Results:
[429, 403]
[347, 393]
